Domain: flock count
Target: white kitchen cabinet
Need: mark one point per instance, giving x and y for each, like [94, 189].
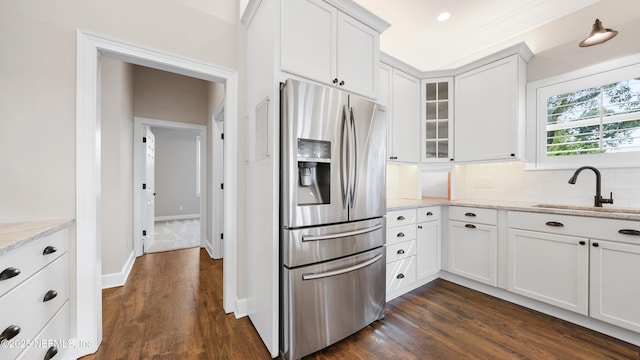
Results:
[322, 43]
[489, 111]
[428, 242]
[401, 251]
[473, 244]
[550, 268]
[615, 290]
[404, 122]
[436, 136]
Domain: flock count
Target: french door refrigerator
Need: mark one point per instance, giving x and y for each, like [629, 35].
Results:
[332, 201]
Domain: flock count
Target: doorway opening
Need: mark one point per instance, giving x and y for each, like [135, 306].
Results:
[87, 302]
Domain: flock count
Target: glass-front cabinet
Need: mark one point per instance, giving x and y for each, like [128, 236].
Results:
[437, 120]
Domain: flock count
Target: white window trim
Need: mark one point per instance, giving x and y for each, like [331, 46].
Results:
[537, 94]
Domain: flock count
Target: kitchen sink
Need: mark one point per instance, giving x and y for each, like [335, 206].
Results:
[589, 208]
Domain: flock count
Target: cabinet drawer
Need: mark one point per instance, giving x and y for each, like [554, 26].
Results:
[54, 335]
[401, 250]
[401, 217]
[400, 234]
[31, 258]
[401, 273]
[428, 214]
[473, 215]
[25, 307]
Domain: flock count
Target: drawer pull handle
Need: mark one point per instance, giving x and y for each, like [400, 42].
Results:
[470, 226]
[400, 276]
[595, 244]
[8, 273]
[629, 232]
[400, 235]
[50, 295]
[582, 242]
[10, 332]
[419, 226]
[554, 223]
[400, 218]
[49, 250]
[400, 252]
[429, 213]
[53, 351]
[470, 214]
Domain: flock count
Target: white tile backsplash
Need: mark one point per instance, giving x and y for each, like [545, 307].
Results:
[510, 181]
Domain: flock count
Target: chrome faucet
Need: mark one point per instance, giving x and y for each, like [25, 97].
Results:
[598, 200]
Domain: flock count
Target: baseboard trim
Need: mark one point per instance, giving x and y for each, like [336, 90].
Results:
[119, 278]
[177, 217]
[241, 308]
[208, 247]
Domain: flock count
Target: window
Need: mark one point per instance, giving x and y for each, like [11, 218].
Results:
[587, 118]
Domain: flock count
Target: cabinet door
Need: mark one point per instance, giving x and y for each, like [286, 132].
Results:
[384, 98]
[615, 289]
[406, 117]
[428, 252]
[308, 36]
[437, 120]
[487, 111]
[473, 251]
[549, 268]
[358, 56]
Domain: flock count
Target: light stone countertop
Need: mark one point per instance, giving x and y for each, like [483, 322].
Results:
[16, 235]
[607, 212]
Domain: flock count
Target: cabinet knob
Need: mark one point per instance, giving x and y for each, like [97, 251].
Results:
[10, 332]
[513, 155]
[419, 226]
[53, 351]
[595, 244]
[50, 295]
[400, 276]
[554, 223]
[341, 83]
[400, 252]
[582, 242]
[49, 250]
[470, 226]
[400, 235]
[8, 273]
[470, 214]
[335, 81]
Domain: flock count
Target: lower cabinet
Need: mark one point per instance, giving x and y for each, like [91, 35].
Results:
[428, 251]
[401, 274]
[615, 289]
[550, 268]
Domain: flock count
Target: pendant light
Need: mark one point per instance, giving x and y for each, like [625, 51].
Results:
[598, 35]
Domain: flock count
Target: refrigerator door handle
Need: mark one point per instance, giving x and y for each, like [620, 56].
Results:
[342, 234]
[354, 167]
[344, 158]
[341, 271]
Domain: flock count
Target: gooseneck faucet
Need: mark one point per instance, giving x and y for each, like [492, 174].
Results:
[598, 200]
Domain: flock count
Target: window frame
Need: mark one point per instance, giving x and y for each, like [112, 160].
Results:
[539, 91]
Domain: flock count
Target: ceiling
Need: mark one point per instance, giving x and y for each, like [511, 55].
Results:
[478, 28]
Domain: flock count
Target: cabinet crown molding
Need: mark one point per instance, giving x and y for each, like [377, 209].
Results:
[358, 12]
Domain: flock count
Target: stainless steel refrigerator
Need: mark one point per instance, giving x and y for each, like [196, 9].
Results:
[332, 201]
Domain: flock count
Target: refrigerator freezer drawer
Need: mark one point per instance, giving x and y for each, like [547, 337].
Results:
[327, 302]
[321, 243]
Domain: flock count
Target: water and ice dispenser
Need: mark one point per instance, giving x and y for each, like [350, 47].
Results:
[314, 172]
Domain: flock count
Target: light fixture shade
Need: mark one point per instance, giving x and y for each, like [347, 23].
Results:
[598, 35]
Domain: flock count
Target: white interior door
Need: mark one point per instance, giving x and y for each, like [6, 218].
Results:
[148, 222]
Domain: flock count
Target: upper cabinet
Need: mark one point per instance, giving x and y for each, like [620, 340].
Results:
[400, 93]
[436, 140]
[322, 43]
[489, 111]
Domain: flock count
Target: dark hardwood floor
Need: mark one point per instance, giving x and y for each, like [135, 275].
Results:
[171, 308]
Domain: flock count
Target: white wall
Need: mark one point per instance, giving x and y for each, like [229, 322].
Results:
[38, 87]
[175, 172]
[117, 164]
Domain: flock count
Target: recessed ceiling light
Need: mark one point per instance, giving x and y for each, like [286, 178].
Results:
[444, 16]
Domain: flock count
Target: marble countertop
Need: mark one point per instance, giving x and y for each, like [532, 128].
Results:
[16, 235]
[608, 212]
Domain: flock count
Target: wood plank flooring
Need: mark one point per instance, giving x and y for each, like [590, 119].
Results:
[171, 308]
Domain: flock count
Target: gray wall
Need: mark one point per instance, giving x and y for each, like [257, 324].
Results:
[175, 172]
